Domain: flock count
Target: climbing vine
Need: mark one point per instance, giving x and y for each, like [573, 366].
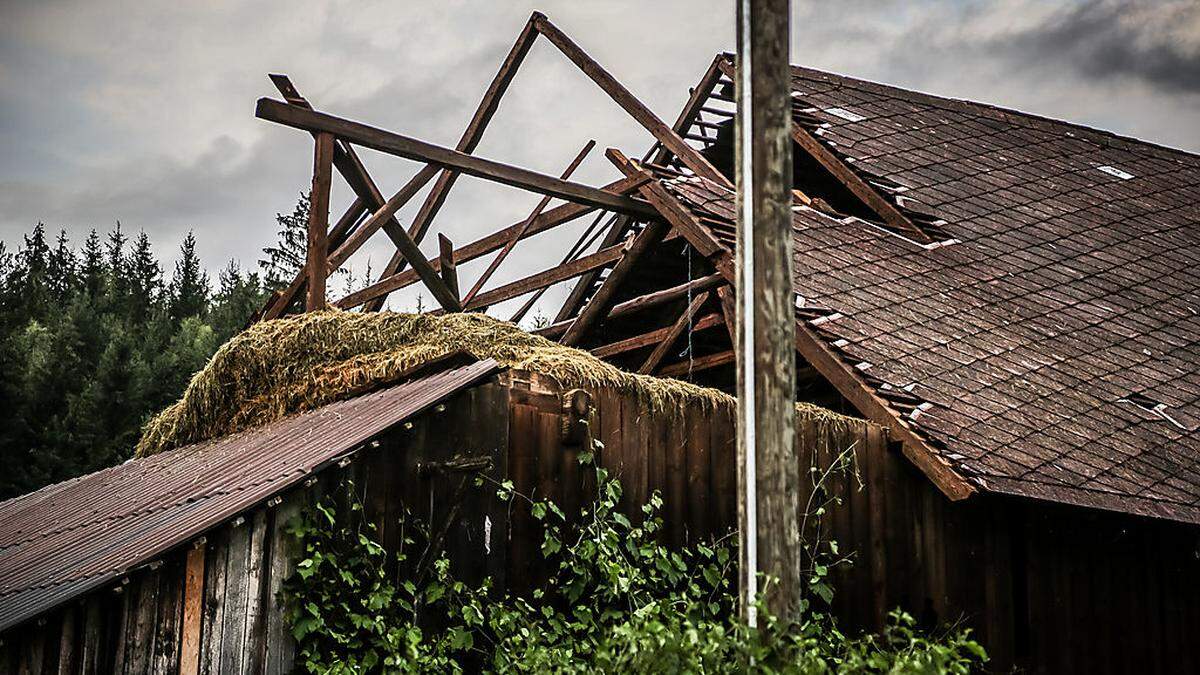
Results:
[617, 601]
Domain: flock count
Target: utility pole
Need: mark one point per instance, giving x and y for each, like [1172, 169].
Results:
[769, 472]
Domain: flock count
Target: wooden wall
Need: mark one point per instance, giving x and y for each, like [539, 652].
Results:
[1045, 587]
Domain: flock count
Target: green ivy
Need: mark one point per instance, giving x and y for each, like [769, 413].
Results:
[617, 601]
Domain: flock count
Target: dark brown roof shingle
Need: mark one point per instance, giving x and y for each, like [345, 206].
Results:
[1055, 340]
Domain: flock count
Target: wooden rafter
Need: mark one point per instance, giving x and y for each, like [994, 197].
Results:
[653, 337]
[683, 121]
[411, 148]
[544, 279]
[586, 239]
[628, 102]
[467, 143]
[492, 242]
[698, 364]
[676, 330]
[279, 301]
[643, 302]
[537, 211]
[729, 311]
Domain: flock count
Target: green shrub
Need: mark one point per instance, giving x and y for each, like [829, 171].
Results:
[618, 601]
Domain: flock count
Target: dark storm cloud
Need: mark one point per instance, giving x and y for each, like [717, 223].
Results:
[1156, 42]
[120, 110]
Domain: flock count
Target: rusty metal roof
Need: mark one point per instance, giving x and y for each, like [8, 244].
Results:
[69, 538]
[1049, 345]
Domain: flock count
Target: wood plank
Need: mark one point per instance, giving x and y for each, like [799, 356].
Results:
[586, 239]
[673, 334]
[280, 644]
[447, 267]
[467, 143]
[627, 101]
[68, 641]
[653, 337]
[667, 206]
[165, 655]
[94, 649]
[729, 310]
[546, 278]
[318, 223]
[233, 640]
[193, 608]
[215, 574]
[414, 149]
[697, 364]
[644, 302]
[379, 216]
[140, 630]
[537, 211]
[480, 247]
[254, 636]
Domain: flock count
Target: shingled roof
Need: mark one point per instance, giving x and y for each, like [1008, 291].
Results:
[1046, 342]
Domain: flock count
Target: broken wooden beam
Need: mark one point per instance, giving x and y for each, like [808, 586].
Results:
[537, 211]
[653, 337]
[676, 330]
[414, 149]
[446, 266]
[548, 220]
[467, 143]
[644, 302]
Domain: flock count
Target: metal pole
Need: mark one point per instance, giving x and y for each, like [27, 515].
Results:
[769, 473]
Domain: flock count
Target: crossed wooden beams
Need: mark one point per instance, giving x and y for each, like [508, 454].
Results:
[336, 137]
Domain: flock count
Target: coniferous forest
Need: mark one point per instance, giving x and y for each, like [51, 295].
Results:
[96, 336]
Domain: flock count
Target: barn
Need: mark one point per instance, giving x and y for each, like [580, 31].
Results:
[1000, 310]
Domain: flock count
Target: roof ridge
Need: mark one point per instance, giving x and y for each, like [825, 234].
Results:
[1000, 112]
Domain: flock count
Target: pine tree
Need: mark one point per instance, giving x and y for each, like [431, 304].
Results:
[145, 281]
[188, 292]
[62, 275]
[91, 267]
[31, 278]
[285, 259]
[116, 298]
[238, 296]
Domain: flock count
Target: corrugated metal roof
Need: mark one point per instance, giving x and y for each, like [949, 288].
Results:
[66, 539]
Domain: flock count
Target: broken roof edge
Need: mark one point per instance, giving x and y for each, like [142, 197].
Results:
[998, 112]
[1092, 499]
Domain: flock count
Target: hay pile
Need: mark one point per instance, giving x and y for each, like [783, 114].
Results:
[276, 368]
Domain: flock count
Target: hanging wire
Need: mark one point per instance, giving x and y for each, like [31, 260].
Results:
[691, 360]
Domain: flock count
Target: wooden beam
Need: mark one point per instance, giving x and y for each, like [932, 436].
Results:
[467, 143]
[547, 278]
[537, 211]
[643, 302]
[380, 215]
[411, 148]
[628, 102]
[729, 310]
[653, 337]
[586, 239]
[548, 220]
[318, 223]
[698, 364]
[677, 329]
[696, 100]
[346, 161]
[446, 266]
[670, 208]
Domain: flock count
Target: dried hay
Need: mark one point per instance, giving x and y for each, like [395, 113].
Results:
[277, 368]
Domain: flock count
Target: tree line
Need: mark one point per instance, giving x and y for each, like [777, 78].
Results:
[95, 337]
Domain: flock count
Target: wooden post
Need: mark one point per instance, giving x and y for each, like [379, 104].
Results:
[446, 266]
[318, 223]
[769, 473]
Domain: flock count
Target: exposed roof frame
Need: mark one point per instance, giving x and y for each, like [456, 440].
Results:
[869, 196]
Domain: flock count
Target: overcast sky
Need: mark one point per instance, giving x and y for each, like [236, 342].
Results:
[143, 112]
